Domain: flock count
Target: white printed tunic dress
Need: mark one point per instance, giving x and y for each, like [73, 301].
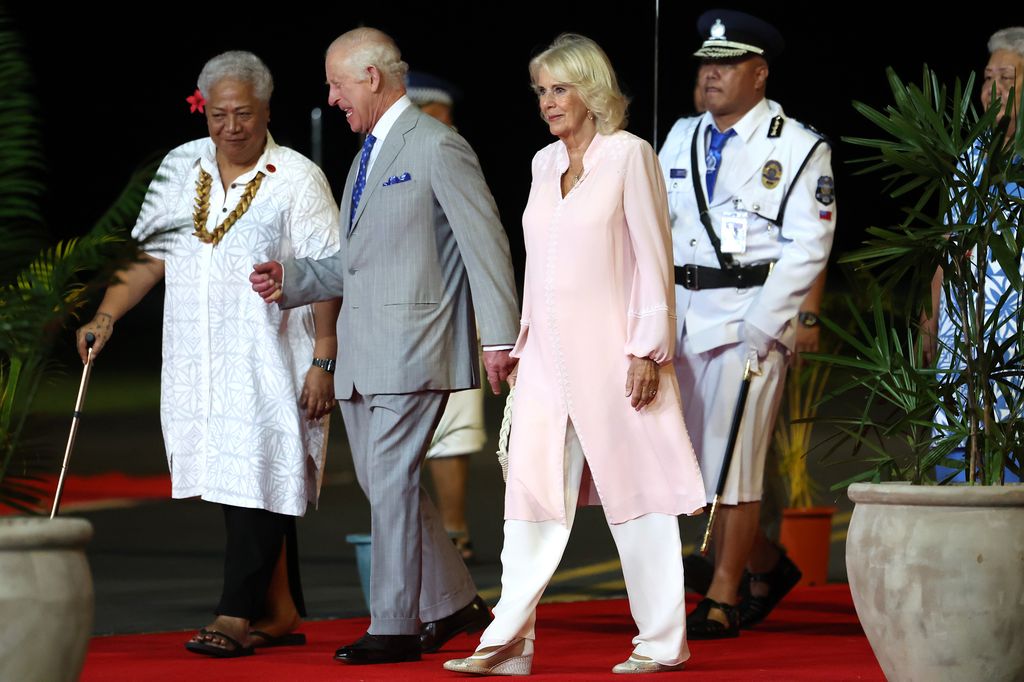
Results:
[233, 366]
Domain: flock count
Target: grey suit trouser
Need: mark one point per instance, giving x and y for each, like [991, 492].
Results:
[416, 573]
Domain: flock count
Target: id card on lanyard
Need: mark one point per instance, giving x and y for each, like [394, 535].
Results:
[734, 231]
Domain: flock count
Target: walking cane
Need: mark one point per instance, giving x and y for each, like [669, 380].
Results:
[90, 339]
[730, 445]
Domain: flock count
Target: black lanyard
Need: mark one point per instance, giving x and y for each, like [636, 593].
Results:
[724, 259]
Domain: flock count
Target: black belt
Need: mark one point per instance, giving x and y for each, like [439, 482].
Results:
[697, 277]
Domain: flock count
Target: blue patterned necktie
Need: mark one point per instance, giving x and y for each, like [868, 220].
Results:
[357, 189]
[714, 159]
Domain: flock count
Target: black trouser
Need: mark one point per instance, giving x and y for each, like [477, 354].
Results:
[253, 546]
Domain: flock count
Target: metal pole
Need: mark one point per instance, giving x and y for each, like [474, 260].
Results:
[90, 339]
[317, 136]
[657, 31]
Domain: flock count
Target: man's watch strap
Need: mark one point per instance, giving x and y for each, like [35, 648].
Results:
[326, 364]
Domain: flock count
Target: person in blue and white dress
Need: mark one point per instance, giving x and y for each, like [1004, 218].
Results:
[245, 387]
[1005, 70]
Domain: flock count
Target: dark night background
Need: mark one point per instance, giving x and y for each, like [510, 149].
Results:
[112, 83]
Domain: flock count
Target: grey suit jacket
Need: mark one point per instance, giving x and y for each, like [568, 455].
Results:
[422, 256]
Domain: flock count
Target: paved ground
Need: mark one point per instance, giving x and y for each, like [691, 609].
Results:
[157, 565]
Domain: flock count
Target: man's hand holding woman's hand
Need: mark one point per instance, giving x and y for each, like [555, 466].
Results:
[266, 279]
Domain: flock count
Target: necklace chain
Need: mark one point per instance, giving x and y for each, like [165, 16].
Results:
[576, 177]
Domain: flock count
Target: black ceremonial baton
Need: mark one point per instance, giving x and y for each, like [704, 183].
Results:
[730, 445]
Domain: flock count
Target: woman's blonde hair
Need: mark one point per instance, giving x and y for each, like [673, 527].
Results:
[580, 62]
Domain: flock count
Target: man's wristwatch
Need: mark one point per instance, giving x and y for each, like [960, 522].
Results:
[807, 319]
[325, 364]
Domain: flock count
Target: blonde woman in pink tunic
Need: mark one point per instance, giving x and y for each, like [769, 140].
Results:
[597, 418]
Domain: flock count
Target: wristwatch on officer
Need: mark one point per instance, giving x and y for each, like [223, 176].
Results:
[807, 318]
[326, 364]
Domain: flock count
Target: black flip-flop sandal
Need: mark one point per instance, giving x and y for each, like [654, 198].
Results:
[207, 649]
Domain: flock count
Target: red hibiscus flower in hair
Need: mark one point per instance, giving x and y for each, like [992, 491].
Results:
[197, 102]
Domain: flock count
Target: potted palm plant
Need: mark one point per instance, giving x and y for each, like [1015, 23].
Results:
[46, 596]
[936, 568]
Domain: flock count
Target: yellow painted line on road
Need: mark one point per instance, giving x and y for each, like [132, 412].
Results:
[840, 524]
[490, 594]
[610, 586]
[565, 597]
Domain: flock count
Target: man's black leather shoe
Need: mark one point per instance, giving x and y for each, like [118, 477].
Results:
[472, 617]
[370, 649]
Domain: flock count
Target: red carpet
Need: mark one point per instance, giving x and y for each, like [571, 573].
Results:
[813, 636]
[99, 491]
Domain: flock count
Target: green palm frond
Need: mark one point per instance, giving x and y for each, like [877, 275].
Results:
[952, 164]
[42, 285]
[22, 229]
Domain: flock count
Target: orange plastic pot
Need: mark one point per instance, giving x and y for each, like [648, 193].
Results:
[806, 534]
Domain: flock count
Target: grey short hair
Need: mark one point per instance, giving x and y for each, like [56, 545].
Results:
[241, 66]
[579, 61]
[368, 47]
[1011, 39]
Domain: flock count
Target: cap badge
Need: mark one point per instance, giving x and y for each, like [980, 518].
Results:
[718, 30]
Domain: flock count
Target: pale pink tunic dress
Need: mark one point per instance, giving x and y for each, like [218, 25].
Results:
[599, 288]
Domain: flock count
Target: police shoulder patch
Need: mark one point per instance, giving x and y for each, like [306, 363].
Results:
[826, 191]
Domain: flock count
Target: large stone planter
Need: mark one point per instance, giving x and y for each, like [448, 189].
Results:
[46, 598]
[937, 576]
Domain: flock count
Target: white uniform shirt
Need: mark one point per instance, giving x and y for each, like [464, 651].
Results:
[233, 366]
[758, 170]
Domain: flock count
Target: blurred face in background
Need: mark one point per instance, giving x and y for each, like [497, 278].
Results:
[1005, 70]
[439, 110]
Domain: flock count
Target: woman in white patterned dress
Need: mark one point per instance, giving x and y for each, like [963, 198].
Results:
[245, 387]
[1003, 76]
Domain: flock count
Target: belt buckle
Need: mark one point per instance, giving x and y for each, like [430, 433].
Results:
[690, 280]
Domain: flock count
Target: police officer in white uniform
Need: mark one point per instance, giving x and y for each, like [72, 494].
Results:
[753, 210]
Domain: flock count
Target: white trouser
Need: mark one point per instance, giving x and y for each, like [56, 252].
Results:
[651, 557]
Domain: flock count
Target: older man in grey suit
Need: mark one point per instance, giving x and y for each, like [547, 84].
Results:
[421, 232]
